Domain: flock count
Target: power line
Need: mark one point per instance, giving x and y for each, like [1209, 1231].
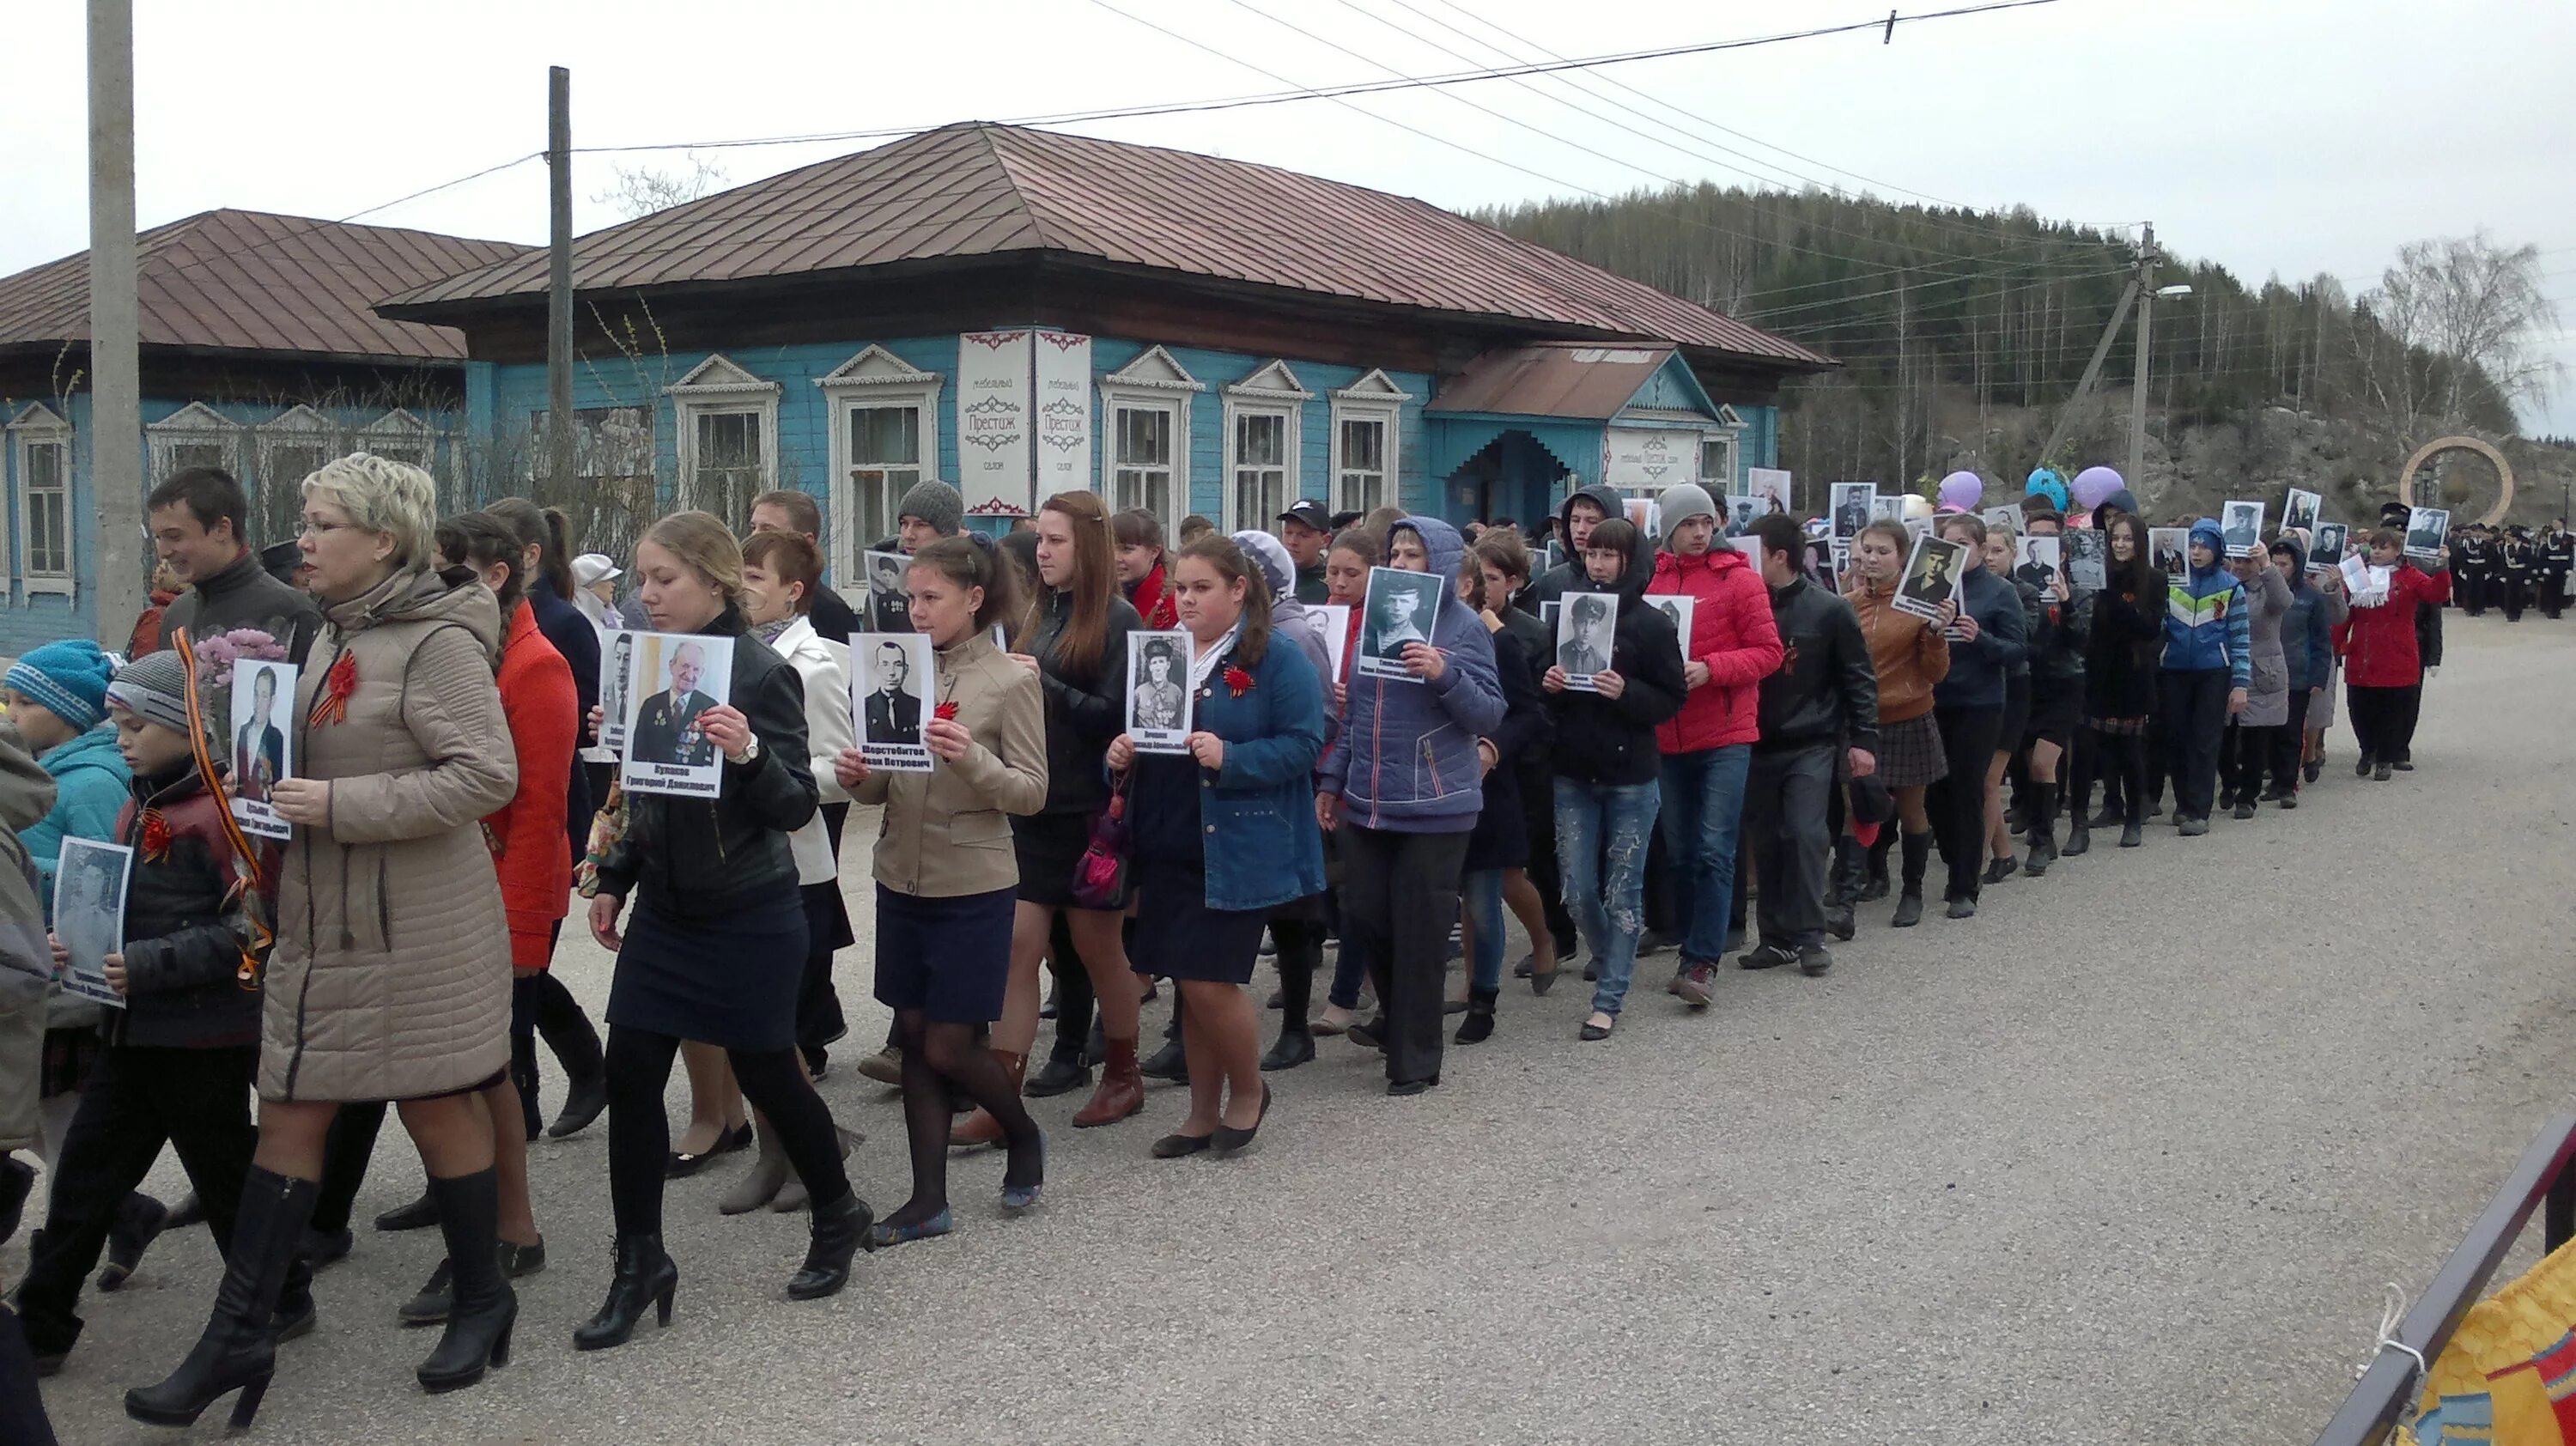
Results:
[1335, 92]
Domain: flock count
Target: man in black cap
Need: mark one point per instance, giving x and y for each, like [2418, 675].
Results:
[2515, 560]
[2471, 564]
[1307, 529]
[2556, 555]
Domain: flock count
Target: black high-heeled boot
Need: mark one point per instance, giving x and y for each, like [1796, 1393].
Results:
[645, 1276]
[1874, 883]
[840, 1232]
[237, 1351]
[1850, 876]
[1917, 848]
[483, 1307]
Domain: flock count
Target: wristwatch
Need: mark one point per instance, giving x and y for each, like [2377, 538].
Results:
[751, 750]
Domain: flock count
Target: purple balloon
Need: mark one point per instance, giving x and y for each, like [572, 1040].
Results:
[1962, 490]
[2095, 483]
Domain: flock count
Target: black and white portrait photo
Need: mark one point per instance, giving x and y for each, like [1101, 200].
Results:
[1586, 625]
[2301, 511]
[1401, 607]
[616, 673]
[89, 913]
[1158, 691]
[889, 591]
[1740, 512]
[2327, 554]
[261, 735]
[1883, 508]
[2240, 524]
[1677, 607]
[2169, 549]
[2038, 561]
[667, 747]
[1771, 485]
[1931, 576]
[1335, 619]
[2425, 529]
[892, 675]
[1851, 508]
[2088, 559]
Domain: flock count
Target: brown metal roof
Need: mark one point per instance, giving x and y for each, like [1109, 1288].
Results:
[251, 280]
[979, 189]
[1552, 379]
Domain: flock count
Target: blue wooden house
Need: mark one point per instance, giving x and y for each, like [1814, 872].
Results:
[1021, 312]
[260, 354]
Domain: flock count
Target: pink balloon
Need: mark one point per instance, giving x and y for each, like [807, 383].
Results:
[1962, 490]
[2093, 484]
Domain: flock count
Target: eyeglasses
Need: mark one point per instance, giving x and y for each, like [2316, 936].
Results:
[310, 528]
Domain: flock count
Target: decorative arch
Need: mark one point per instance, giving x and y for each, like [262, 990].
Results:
[2440, 445]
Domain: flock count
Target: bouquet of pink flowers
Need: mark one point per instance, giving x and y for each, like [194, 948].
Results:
[217, 652]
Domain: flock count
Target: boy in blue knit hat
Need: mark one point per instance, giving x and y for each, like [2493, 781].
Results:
[57, 696]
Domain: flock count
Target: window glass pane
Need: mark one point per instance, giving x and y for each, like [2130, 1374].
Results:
[1363, 445]
[1260, 440]
[281, 486]
[1144, 437]
[48, 509]
[885, 435]
[184, 455]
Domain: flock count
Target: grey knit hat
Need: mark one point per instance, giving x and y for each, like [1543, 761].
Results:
[153, 687]
[936, 503]
[1682, 503]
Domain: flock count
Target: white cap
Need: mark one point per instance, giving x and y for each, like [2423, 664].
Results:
[593, 567]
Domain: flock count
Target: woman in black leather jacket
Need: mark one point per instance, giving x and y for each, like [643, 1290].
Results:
[716, 947]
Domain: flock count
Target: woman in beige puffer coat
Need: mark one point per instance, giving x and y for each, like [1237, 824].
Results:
[390, 979]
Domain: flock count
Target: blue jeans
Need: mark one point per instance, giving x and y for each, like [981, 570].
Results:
[1483, 894]
[1616, 821]
[1703, 815]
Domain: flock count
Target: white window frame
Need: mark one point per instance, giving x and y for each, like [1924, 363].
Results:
[300, 426]
[1271, 391]
[401, 436]
[1153, 382]
[40, 426]
[195, 424]
[717, 387]
[1728, 437]
[1373, 398]
[874, 378]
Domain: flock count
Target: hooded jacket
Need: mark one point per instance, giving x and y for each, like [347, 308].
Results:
[1406, 758]
[26, 964]
[1825, 689]
[1733, 632]
[90, 781]
[2267, 602]
[1612, 741]
[390, 978]
[2205, 622]
[1569, 576]
[187, 922]
[2307, 629]
[1978, 669]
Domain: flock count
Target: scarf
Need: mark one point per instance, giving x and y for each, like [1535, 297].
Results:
[769, 632]
[1203, 665]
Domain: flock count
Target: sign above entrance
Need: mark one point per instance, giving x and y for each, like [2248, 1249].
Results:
[1648, 460]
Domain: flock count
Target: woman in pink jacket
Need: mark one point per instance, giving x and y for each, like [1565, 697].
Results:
[1729, 644]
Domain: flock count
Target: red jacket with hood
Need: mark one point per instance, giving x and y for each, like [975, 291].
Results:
[1730, 630]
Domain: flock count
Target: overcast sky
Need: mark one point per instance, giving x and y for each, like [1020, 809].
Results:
[2287, 136]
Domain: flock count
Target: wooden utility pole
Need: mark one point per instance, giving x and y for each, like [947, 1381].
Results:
[559, 450]
[2146, 333]
[117, 483]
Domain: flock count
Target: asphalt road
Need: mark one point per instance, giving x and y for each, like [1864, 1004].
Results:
[2127, 1157]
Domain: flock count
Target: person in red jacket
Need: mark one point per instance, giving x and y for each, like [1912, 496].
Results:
[1728, 647]
[1143, 567]
[2382, 664]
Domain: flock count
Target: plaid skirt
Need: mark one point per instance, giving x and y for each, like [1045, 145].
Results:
[1910, 753]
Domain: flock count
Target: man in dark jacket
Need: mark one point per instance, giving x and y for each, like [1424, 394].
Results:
[1990, 636]
[794, 510]
[197, 521]
[182, 1051]
[1819, 709]
[2557, 559]
[1307, 529]
[1582, 510]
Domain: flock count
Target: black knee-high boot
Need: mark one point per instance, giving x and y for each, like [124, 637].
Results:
[485, 1308]
[1909, 904]
[1301, 953]
[237, 1350]
[1875, 885]
[2043, 829]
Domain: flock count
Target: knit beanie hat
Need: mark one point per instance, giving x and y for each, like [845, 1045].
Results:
[1685, 502]
[153, 687]
[1270, 555]
[936, 503]
[68, 679]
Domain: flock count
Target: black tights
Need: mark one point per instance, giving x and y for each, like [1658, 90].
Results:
[937, 1056]
[1301, 953]
[639, 1133]
[540, 1004]
[2115, 758]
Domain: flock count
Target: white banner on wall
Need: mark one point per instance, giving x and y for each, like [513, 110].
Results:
[993, 446]
[1640, 459]
[1064, 412]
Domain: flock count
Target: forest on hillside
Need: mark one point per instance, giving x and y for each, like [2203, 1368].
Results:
[1963, 333]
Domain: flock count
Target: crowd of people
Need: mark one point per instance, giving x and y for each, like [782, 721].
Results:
[1733, 778]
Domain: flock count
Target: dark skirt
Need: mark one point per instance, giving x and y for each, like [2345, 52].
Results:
[2055, 710]
[729, 980]
[2016, 713]
[1179, 937]
[1910, 753]
[1501, 836]
[827, 918]
[1048, 846]
[949, 958]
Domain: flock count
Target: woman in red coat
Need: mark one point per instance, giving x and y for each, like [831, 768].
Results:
[534, 859]
[2383, 672]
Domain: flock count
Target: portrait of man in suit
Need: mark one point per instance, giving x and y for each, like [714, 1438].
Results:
[894, 711]
[666, 727]
[1851, 514]
[259, 745]
[615, 680]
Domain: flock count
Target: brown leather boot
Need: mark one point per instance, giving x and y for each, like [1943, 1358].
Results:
[980, 1128]
[1121, 1092]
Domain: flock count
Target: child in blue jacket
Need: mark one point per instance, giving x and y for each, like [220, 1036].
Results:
[2208, 665]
